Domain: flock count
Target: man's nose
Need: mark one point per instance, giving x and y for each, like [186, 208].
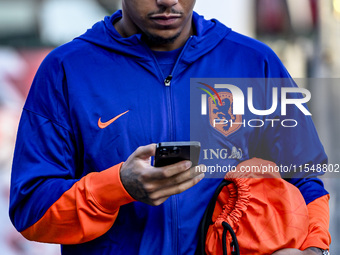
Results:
[167, 3]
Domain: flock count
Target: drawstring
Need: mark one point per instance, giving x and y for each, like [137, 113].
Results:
[234, 244]
[207, 220]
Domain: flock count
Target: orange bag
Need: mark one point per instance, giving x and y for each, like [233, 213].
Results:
[262, 213]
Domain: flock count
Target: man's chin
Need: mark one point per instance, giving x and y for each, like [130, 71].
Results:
[160, 40]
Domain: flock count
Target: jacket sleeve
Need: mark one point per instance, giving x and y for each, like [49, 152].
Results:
[291, 141]
[84, 212]
[51, 200]
[318, 234]
[297, 150]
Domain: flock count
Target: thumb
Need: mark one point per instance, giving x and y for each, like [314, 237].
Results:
[145, 152]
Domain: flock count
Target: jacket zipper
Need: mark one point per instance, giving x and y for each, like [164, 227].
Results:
[174, 199]
[174, 228]
[167, 81]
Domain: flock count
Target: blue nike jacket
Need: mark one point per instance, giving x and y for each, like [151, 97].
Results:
[95, 100]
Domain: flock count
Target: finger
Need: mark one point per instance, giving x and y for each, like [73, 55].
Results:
[176, 189]
[158, 201]
[164, 172]
[145, 152]
[157, 184]
[288, 251]
[174, 180]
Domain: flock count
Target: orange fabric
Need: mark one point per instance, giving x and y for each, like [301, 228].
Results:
[84, 212]
[318, 234]
[266, 213]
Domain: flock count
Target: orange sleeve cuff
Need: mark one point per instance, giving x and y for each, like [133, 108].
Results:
[84, 212]
[318, 234]
[105, 193]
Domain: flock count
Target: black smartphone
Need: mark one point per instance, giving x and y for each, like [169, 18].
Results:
[168, 153]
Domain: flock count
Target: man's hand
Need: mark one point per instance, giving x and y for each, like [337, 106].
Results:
[309, 251]
[154, 185]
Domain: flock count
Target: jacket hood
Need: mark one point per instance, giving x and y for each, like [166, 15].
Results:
[208, 34]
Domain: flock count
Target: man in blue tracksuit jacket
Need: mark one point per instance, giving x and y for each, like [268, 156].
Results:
[106, 98]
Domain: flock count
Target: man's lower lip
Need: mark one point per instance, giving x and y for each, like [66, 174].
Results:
[165, 22]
